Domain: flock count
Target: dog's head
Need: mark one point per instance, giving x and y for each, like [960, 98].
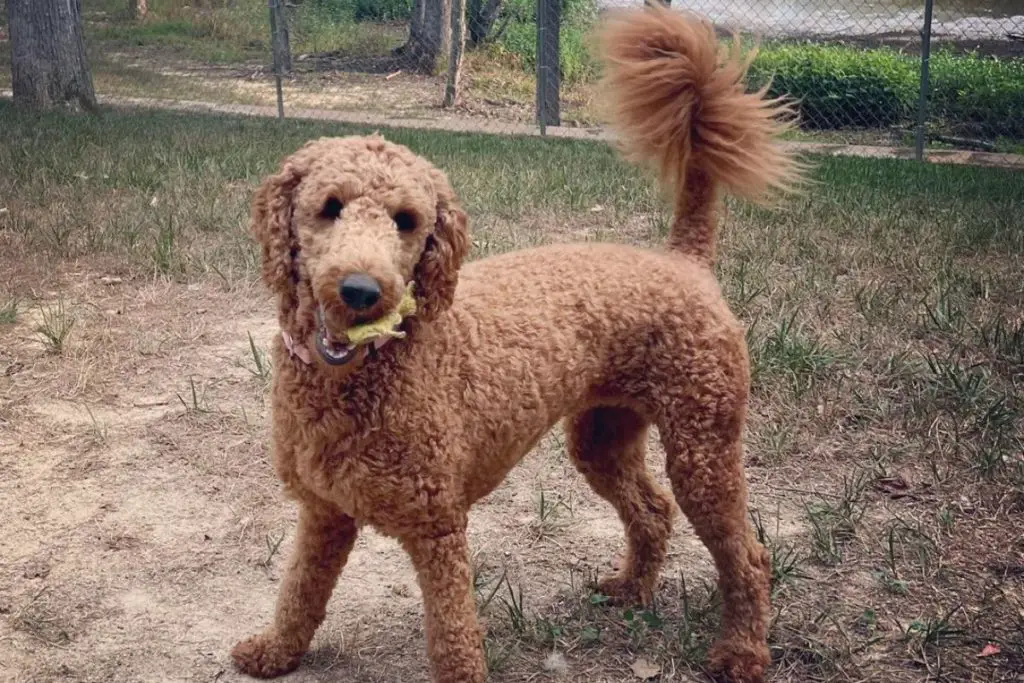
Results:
[345, 225]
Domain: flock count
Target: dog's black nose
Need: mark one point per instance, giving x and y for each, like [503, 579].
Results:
[359, 291]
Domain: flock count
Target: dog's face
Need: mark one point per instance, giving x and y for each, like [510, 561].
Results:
[350, 222]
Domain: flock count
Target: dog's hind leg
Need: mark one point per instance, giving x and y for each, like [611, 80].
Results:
[607, 445]
[705, 464]
[322, 545]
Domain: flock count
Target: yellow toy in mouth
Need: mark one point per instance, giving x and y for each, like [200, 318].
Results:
[377, 332]
[385, 327]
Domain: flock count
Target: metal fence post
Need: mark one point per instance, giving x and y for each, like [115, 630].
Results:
[281, 50]
[922, 102]
[548, 76]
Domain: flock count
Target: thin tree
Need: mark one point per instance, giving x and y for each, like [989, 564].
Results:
[137, 10]
[458, 40]
[48, 63]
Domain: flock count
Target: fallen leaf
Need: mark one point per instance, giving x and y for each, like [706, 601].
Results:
[645, 669]
[989, 650]
[556, 664]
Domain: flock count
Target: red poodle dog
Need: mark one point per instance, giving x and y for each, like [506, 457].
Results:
[406, 431]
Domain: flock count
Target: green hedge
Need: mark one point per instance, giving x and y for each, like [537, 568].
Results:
[979, 95]
[840, 86]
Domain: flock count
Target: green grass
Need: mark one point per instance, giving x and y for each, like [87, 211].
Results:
[55, 326]
[240, 32]
[885, 311]
[9, 311]
[217, 34]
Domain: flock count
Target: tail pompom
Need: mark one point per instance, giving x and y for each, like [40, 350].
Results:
[678, 101]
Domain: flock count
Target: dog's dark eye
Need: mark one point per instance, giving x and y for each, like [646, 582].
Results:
[405, 221]
[332, 208]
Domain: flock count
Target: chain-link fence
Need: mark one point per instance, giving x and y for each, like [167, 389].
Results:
[508, 73]
[526, 66]
[857, 67]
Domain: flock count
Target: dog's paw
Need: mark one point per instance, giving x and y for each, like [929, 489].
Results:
[624, 591]
[264, 656]
[738, 662]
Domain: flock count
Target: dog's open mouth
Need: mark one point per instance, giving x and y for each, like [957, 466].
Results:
[333, 351]
[375, 333]
[338, 352]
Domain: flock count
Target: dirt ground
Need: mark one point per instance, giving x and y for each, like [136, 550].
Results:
[366, 85]
[144, 532]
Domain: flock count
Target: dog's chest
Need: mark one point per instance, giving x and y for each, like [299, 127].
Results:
[378, 478]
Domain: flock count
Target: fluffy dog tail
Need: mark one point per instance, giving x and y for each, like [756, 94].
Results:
[679, 105]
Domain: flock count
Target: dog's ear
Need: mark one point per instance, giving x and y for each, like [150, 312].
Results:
[437, 272]
[271, 224]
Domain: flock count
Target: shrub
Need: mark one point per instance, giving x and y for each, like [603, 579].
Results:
[839, 86]
[574, 60]
[578, 13]
[365, 10]
[520, 37]
[975, 95]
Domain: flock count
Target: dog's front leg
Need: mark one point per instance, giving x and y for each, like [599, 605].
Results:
[453, 634]
[323, 541]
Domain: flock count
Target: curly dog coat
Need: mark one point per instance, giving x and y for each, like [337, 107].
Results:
[406, 436]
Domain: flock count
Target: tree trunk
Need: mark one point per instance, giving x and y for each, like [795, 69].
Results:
[414, 44]
[424, 51]
[458, 40]
[137, 10]
[482, 15]
[438, 30]
[48, 63]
